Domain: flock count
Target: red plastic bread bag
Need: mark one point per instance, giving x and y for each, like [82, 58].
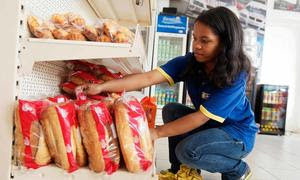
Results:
[102, 146]
[30, 147]
[133, 133]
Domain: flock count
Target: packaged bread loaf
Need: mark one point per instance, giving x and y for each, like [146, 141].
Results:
[133, 133]
[30, 150]
[62, 136]
[81, 77]
[99, 137]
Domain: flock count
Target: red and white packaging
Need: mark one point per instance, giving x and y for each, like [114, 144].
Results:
[58, 99]
[31, 150]
[68, 87]
[81, 77]
[61, 131]
[99, 137]
[133, 133]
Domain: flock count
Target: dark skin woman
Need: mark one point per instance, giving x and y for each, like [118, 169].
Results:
[220, 131]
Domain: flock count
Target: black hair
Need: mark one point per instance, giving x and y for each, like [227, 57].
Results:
[231, 59]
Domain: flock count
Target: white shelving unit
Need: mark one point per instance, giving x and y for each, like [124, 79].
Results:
[35, 50]
[31, 67]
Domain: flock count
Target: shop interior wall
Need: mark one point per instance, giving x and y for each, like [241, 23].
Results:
[281, 58]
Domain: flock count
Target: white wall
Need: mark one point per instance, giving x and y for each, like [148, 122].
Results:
[161, 4]
[281, 58]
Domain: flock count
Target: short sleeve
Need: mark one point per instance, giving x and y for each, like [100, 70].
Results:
[173, 68]
[223, 101]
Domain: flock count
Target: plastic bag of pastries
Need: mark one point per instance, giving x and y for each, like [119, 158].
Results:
[39, 28]
[75, 20]
[111, 31]
[30, 150]
[62, 136]
[60, 21]
[99, 136]
[133, 133]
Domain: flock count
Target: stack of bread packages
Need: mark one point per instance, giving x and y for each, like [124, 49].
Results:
[134, 135]
[70, 26]
[82, 72]
[86, 129]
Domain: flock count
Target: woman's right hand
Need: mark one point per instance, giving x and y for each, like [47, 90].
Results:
[90, 89]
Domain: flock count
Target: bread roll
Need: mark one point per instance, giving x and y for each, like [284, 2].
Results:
[60, 33]
[99, 137]
[30, 147]
[133, 133]
[91, 33]
[59, 20]
[59, 125]
[81, 77]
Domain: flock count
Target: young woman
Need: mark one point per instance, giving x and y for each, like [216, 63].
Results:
[220, 131]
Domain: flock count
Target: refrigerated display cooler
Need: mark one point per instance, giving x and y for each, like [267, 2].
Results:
[270, 109]
[170, 42]
[34, 68]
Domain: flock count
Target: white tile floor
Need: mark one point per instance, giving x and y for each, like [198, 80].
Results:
[273, 158]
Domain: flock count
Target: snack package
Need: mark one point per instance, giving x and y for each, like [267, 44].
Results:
[31, 150]
[62, 136]
[39, 28]
[133, 133]
[149, 105]
[81, 77]
[99, 137]
[116, 32]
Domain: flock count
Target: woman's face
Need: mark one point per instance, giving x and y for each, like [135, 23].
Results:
[206, 44]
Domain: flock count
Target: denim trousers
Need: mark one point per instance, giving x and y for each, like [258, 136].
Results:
[207, 147]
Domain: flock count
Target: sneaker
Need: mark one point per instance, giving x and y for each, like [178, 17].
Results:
[186, 173]
[166, 175]
[247, 174]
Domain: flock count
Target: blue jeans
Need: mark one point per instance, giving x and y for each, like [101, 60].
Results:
[207, 147]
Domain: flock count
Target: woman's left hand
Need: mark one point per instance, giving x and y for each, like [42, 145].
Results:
[153, 134]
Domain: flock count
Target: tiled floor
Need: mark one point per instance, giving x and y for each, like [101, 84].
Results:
[273, 158]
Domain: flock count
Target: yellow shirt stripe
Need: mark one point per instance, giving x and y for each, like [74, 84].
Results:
[210, 115]
[170, 80]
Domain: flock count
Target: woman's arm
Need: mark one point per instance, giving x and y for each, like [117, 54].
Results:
[128, 83]
[180, 126]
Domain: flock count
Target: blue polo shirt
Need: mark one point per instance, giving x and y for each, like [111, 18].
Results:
[228, 105]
